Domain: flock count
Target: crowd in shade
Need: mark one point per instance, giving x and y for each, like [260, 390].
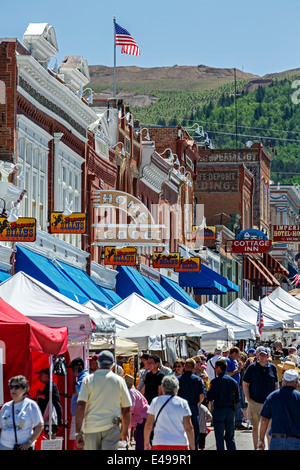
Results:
[158, 406]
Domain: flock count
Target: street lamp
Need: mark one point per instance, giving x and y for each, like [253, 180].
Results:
[128, 116]
[144, 129]
[81, 92]
[197, 129]
[171, 157]
[122, 151]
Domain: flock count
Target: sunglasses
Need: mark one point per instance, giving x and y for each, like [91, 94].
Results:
[16, 387]
[177, 366]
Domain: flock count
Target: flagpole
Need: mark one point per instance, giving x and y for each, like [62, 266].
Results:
[115, 60]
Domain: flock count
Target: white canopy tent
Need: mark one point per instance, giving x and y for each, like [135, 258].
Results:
[275, 312]
[136, 309]
[248, 312]
[161, 324]
[280, 297]
[48, 307]
[189, 313]
[242, 330]
[121, 322]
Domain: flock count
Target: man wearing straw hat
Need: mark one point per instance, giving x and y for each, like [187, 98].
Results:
[283, 408]
[282, 367]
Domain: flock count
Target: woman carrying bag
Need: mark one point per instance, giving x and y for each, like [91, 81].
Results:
[169, 417]
[21, 421]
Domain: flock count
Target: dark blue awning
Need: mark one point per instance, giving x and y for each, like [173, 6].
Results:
[159, 290]
[207, 282]
[45, 271]
[177, 292]
[130, 280]
[292, 271]
[86, 284]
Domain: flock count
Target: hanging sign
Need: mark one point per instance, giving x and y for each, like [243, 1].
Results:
[286, 233]
[21, 230]
[120, 256]
[189, 265]
[73, 223]
[160, 260]
[251, 246]
[251, 234]
[208, 233]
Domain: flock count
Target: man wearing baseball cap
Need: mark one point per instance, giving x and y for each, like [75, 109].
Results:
[283, 408]
[260, 379]
[103, 404]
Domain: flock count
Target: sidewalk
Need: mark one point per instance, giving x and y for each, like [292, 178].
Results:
[243, 440]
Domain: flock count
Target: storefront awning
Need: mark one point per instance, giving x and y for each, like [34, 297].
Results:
[255, 271]
[86, 284]
[45, 271]
[176, 291]
[273, 265]
[159, 290]
[4, 275]
[70, 281]
[129, 280]
[207, 282]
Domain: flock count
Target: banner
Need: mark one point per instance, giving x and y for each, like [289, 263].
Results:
[189, 265]
[73, 223]
[22, 230]
[120, 256]
[160, 260]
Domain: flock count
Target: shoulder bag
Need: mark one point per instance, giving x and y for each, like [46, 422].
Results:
[152, 432]
[16, 445]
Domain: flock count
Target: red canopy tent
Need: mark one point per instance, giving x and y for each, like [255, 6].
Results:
[25, 341]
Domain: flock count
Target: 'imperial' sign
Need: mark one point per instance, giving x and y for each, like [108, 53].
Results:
[286, 233]
[251, 246]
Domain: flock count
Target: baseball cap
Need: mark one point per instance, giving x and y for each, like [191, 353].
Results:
[263, 350]
[290, 375]
[251, 350]
[106, 358]
[93, 358]
[78, 361]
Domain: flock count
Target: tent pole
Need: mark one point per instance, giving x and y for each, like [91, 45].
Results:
[66, 412]
[50, 396]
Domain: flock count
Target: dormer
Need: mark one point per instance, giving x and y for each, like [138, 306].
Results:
[75, 72]
[40, 40]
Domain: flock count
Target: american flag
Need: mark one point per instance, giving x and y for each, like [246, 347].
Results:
[296, 279]
[124, 39]
[260, 318]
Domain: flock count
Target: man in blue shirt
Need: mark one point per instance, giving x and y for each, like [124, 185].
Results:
[259, 381]
[283, 408]
[78, 372]
[192, 388]
[223, 392]
[233, 370]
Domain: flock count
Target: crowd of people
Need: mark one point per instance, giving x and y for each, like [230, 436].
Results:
[159, 407]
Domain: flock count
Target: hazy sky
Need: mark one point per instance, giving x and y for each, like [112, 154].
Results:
[257, 36]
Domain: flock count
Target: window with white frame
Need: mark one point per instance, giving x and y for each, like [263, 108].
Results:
[67, 185]
[33, 156]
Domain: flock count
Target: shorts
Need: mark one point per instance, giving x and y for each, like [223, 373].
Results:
[254, 410]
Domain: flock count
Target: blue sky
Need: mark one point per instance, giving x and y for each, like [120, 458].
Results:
[259, 36]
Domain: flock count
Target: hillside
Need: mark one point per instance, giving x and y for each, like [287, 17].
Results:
[177, 95]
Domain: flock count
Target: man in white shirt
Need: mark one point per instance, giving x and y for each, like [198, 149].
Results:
[210, 367]
[103, 403]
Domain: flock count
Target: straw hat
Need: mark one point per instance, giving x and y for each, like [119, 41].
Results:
[288, 365]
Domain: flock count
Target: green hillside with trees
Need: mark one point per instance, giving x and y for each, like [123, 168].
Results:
[268, 115]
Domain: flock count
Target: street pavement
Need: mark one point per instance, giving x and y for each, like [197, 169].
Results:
[243, 440]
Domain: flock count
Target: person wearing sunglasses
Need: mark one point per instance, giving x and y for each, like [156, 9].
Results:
[178, 367]
[21, 421]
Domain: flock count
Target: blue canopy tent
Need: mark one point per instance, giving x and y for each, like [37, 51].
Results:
[177, 292]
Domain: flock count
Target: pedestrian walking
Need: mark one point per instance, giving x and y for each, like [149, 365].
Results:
[210, 368]
[78, 373]
[259, 381]
[152, 387]
[178, 366]
[169, 416]
[144, 370]
[223, 392]
[283, 408]
[103, 404]
[192, 389]
[204, 416]
[138, 410]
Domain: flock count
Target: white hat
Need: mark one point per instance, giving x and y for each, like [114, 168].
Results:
[290, 375]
